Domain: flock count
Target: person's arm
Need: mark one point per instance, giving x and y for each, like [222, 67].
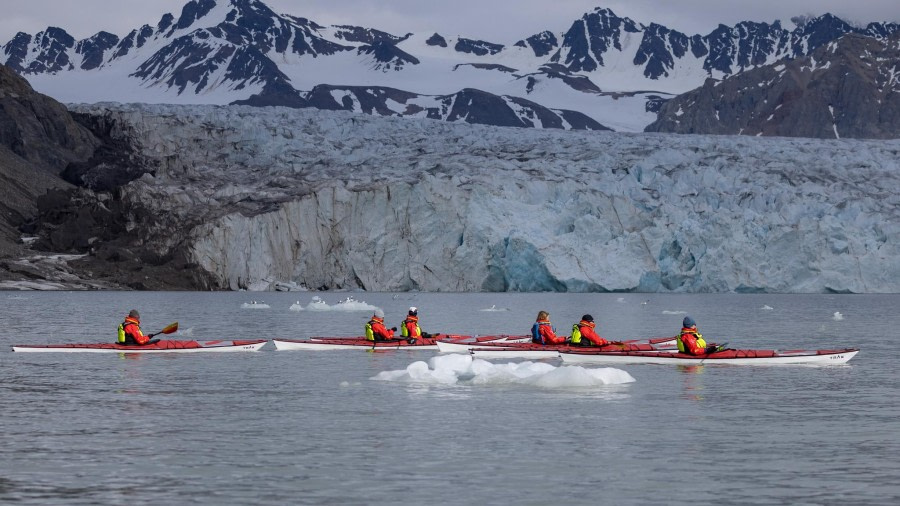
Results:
[592, 336]
[693, 347]
[550, 336]
[383, 331]
[138, 335]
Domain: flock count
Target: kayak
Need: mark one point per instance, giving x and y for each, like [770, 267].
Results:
[463, 346]
[528, 349]
[734, 357]
[161, 346]
[361, 343]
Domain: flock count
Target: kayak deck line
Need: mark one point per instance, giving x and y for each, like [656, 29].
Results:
[161, 346]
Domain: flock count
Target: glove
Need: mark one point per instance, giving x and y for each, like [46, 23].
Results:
[393, 329]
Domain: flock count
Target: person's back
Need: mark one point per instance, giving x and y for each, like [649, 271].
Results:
[130, 333]
[542, 332]
[690, 340]
[583, 333]
[375, 329]
[410, 326]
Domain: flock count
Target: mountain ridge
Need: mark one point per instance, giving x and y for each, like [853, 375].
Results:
[241, 51]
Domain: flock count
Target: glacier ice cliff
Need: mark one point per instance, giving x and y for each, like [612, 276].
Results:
[332, 200]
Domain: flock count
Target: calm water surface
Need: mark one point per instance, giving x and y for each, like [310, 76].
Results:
[314, 428]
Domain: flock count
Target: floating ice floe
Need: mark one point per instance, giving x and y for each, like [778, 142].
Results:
[620, 299]
[673, 312]
[255, 305]
[494, 308]
[348, 304]
[766, 307]
[288, 286]
[457, 369]
[837, 316]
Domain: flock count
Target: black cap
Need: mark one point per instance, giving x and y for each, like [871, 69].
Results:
[587, 318]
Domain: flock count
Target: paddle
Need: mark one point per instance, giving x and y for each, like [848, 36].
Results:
[169, 329]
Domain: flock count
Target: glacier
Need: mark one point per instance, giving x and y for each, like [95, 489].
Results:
[333, 200]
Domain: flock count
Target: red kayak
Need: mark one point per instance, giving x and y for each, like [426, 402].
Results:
[161, 346]
[361, 343]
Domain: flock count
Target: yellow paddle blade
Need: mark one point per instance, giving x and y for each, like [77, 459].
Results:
[170, 328]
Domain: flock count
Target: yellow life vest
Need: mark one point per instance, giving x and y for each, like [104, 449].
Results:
[121, 337]
[370, 335]
[700, 341]
[576, 334]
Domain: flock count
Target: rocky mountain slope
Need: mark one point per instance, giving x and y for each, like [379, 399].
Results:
[38, 139]
[847, 88]
[603, 70]
[250, 198]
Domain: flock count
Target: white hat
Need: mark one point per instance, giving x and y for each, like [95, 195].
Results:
[414, 309]
[379, 313]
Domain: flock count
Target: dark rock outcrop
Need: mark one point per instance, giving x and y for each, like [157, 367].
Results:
[477, 47]
[38, 139]
[848, 88]
[436, 40]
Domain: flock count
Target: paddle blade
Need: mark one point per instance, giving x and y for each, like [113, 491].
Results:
[170, 328]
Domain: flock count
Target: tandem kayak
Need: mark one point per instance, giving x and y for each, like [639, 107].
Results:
[361, 343]
[161, 346]
[734, 357]
[527, 349]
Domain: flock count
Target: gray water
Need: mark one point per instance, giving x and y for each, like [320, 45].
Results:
[314, 428]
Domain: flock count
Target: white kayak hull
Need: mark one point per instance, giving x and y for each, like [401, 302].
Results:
[465, 346]
[202, 347]
[820, 357]
[524, 348]
[488, 353]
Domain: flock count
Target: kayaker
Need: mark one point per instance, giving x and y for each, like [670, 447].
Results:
[410, 329]
[375, 329]
[543, 333]
[130, 331]
[692, 342]
[583, 333]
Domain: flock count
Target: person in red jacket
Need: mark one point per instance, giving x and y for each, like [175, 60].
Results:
[588, 337]
[542, 332]
[375, 329]
[690, 341]
[410, 329]
[132, 329]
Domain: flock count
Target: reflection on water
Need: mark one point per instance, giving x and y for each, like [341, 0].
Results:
[692, 385]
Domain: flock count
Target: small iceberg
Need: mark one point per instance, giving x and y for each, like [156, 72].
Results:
[837, 316]
[255, 305]
[456, 369]
[494, 308]
[666, 311]
[766, 307]
[348, 304]
[620, 300]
